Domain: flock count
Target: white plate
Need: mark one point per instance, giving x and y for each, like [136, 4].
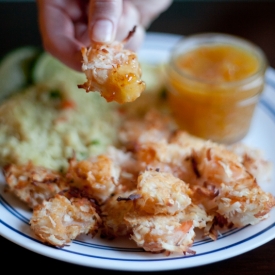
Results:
[122, 254]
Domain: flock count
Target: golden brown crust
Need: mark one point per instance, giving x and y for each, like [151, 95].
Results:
[97, 177]
[60, 220]
[33, 184]
[157, 193]
[113, 71]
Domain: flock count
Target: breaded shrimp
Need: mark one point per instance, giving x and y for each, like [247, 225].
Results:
[167, 157]
[201, 219]
[253, 160]
[185, 140]
[113, 213]
[96, 177]
[154, 126]
[161, 193]
[215, 175]
[129, 168]
[173, 153]
[154, 233]
[33, 184]
[237, 195]
[218, 165]
[60, 220]
[113, 71]
[155, 189]
[243, 202]
[159, 233]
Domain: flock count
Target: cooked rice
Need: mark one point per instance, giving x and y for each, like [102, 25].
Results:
[46, 124]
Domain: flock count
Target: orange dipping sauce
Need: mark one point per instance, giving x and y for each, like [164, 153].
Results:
[213, 88]
[218, 63]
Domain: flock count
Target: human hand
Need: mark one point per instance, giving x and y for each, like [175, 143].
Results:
[68, 25]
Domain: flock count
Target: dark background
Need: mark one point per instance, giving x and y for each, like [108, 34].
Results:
[253, 20]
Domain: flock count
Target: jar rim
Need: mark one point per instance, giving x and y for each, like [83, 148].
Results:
[206, 39]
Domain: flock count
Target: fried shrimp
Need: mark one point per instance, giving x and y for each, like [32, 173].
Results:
[154, 233]
[167, 157]
[33, 184]
[154, 126]
[243, 202]
[161, 193]
[96, 177]
[159, 233]
[113, 213]
[253, 160]
[237, 195]
[113, 71]
[129, 168]
[160, 188]
[60, 219]
[123, 216]
[220, 180]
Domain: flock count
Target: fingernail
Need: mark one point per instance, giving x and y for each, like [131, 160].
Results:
[102, 31]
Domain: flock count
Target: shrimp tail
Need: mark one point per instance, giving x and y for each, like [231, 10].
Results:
[130, 34]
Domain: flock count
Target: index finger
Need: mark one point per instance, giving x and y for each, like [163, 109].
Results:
[57, 31]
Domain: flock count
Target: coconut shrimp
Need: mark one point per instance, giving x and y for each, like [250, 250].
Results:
[168, 157]
[253, 160]
[62, 218]
[154, 233]
[161, 193]
[159, 233]
[154, 126]
[168, 233]
[243, 202]
[235, 191]
[96, 177]
[113, 213]
[113, 71]
[33, 184]
[129, 168]
[215, 174]
[174, 153]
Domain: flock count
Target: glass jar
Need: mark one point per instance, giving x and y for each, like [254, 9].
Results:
[214, 82]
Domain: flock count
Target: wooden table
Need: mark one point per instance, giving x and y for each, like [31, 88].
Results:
[251, 20]
[260, 261]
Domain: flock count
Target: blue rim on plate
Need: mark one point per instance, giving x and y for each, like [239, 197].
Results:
[124, 255]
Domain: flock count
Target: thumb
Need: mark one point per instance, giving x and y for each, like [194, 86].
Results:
[103, 19]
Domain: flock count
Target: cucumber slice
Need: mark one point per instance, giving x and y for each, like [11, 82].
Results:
[48, 68]
[153, 77]
[15, 70]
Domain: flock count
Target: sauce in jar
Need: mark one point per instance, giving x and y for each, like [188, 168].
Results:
[214, 83]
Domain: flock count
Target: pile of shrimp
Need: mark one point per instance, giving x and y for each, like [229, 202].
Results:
[112, 71]
[159, 188]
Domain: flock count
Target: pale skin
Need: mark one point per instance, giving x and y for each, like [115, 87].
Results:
[68, 25]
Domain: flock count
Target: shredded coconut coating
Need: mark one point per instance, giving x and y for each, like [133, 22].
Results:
[158, 233]
[96, 177]
[129, 169]
[243, 202]
[253, 160]
[153, 127]
[156, 189]
[113, 71]
[215, 174]
[161, 193]
[113, 213]
[154, 232]
[60, 220]
[33, 184]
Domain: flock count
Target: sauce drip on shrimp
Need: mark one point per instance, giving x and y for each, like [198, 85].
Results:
[112, 71]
